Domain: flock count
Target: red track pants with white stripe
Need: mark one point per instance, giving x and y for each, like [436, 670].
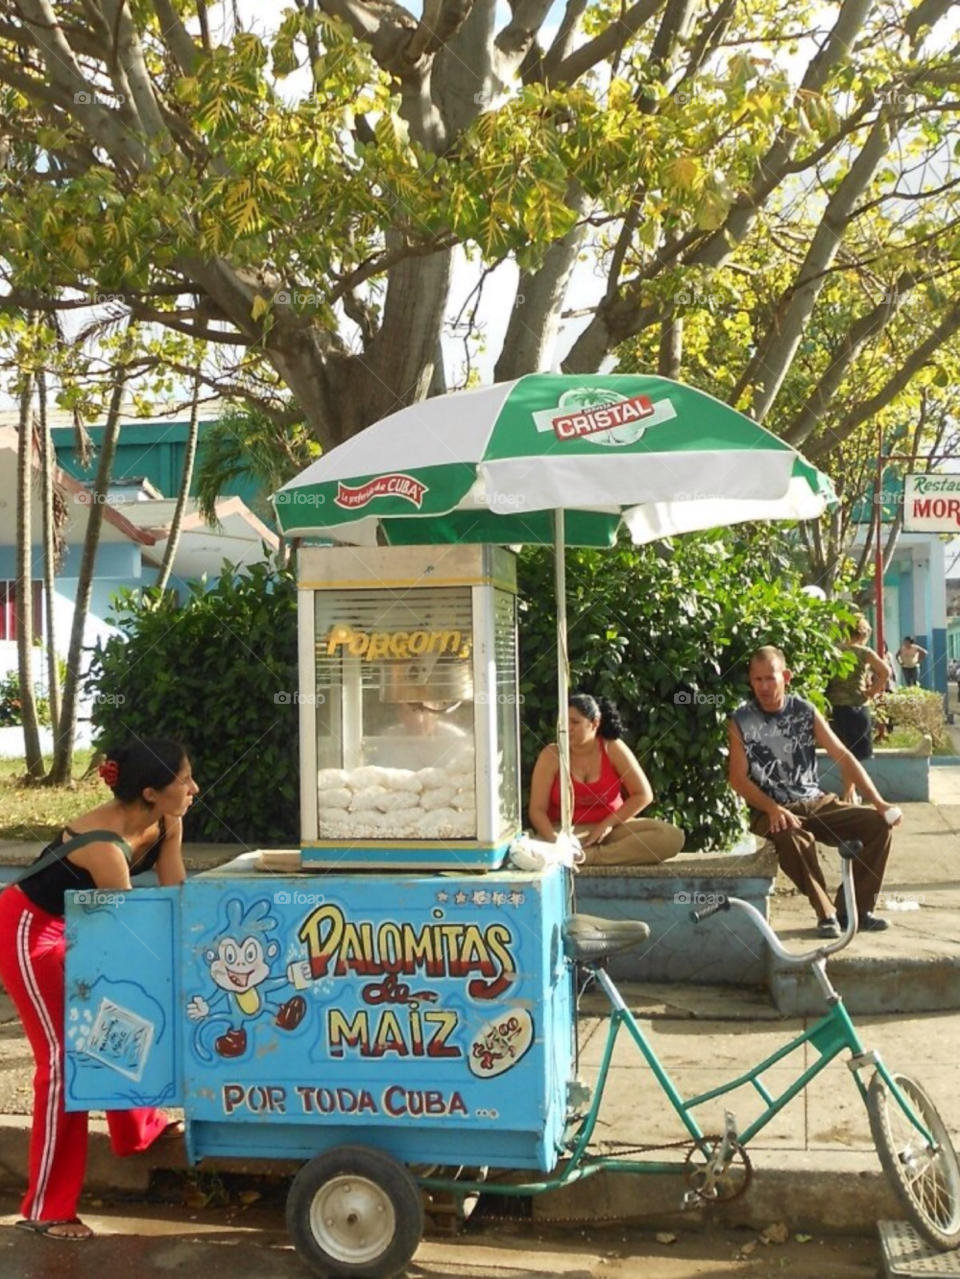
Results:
[32, 949]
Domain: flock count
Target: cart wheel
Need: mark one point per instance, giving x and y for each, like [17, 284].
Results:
[926, 1178]
[355, 1213]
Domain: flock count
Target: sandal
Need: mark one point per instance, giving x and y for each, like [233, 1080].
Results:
[174, 1131]
[54, 1229]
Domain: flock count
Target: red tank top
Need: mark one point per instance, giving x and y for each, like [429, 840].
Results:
[592, 801]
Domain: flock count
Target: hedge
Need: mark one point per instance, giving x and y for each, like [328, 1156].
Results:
[663, 630]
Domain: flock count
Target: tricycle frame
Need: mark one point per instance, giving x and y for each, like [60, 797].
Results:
[830, 1036]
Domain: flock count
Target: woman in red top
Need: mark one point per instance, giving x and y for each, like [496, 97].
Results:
[609, 790]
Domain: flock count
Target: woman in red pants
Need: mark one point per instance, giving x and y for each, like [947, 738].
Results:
[139, 829]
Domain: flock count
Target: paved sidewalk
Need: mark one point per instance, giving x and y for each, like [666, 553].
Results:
[815, 1164]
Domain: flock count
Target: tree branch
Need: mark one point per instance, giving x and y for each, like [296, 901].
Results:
[520, 32]
[129, 60]
[200, 332]
[867, 409]
[440, 22]
[176, 36]
[867, 327]
[603, 45]
[621, 317]
[76, 93]
[386, 27]
[563, 40]
[775, 353]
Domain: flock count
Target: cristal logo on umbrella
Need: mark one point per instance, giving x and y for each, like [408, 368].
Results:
[604, 416]
[404, 486]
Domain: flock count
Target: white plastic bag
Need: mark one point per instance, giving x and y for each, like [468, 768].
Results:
[528, 853]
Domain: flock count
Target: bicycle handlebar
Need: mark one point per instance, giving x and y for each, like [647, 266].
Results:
[848, 854]
[697, 915]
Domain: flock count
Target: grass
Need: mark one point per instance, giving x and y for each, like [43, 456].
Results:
[32, 812]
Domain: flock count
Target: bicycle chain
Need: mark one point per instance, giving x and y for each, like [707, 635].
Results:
[607, 1219]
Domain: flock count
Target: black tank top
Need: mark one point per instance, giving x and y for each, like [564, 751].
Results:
[47, 887]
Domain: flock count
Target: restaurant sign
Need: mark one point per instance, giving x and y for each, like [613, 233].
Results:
[931, 504]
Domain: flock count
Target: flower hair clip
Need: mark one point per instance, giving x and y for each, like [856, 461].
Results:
[110, 772]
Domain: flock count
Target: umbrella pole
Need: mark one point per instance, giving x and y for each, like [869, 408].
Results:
[563, 669]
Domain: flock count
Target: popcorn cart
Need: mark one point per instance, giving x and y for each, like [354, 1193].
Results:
[392, 993]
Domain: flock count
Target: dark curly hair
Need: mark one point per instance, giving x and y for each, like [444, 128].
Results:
[145, 762]
[602, 709]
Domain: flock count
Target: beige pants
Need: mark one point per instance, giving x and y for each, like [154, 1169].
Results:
[640, 841]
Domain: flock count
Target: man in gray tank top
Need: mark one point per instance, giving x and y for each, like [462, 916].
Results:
[773, 766]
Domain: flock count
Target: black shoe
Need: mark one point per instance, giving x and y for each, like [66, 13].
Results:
[871, 923]
[868, 923]
[828, 927]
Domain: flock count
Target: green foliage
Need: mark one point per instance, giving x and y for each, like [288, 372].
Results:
[645, 624]
[245, 444]
[915, 708]
[10, 709]
[673, 620]
[206, 673]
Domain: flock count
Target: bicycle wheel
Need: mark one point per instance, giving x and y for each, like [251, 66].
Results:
[926, 1179]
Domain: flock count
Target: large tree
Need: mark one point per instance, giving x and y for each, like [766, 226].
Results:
[767, 192]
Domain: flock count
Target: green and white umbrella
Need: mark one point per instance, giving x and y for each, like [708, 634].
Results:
[494, 465]
[552, 459]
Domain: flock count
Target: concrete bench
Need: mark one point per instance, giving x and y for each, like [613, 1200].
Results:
[723, 950]
[898, 775]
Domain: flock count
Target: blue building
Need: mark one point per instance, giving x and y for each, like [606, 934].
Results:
[914, 587]
[133, 540]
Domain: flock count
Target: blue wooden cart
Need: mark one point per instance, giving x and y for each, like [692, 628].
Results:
[359, 1022]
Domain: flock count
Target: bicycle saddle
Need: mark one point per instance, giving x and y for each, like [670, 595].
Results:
[588, 939]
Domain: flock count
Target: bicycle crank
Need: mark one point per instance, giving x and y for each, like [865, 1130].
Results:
[717, 1170]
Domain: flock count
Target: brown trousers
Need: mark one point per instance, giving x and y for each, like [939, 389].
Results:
[832, 822]
[639, 841]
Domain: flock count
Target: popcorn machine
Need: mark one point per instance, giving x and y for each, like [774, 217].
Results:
[409, 736]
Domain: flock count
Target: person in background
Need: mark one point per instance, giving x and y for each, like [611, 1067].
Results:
[610, 789]
[773, 766]
[850, 696]
[910, 655]
[891, 668]
[139, 829]
[425, 736]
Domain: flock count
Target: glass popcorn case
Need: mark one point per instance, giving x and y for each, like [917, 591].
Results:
[409, 735]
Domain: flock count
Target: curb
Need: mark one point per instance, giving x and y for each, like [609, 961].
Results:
[841, 1191]
[108, 1174]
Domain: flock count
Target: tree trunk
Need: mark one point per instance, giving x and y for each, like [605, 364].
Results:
[24, 584]
[535, 322]
[61, 771]
[173, 540]
[397, 368]
[47, 465]
[670, 358]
